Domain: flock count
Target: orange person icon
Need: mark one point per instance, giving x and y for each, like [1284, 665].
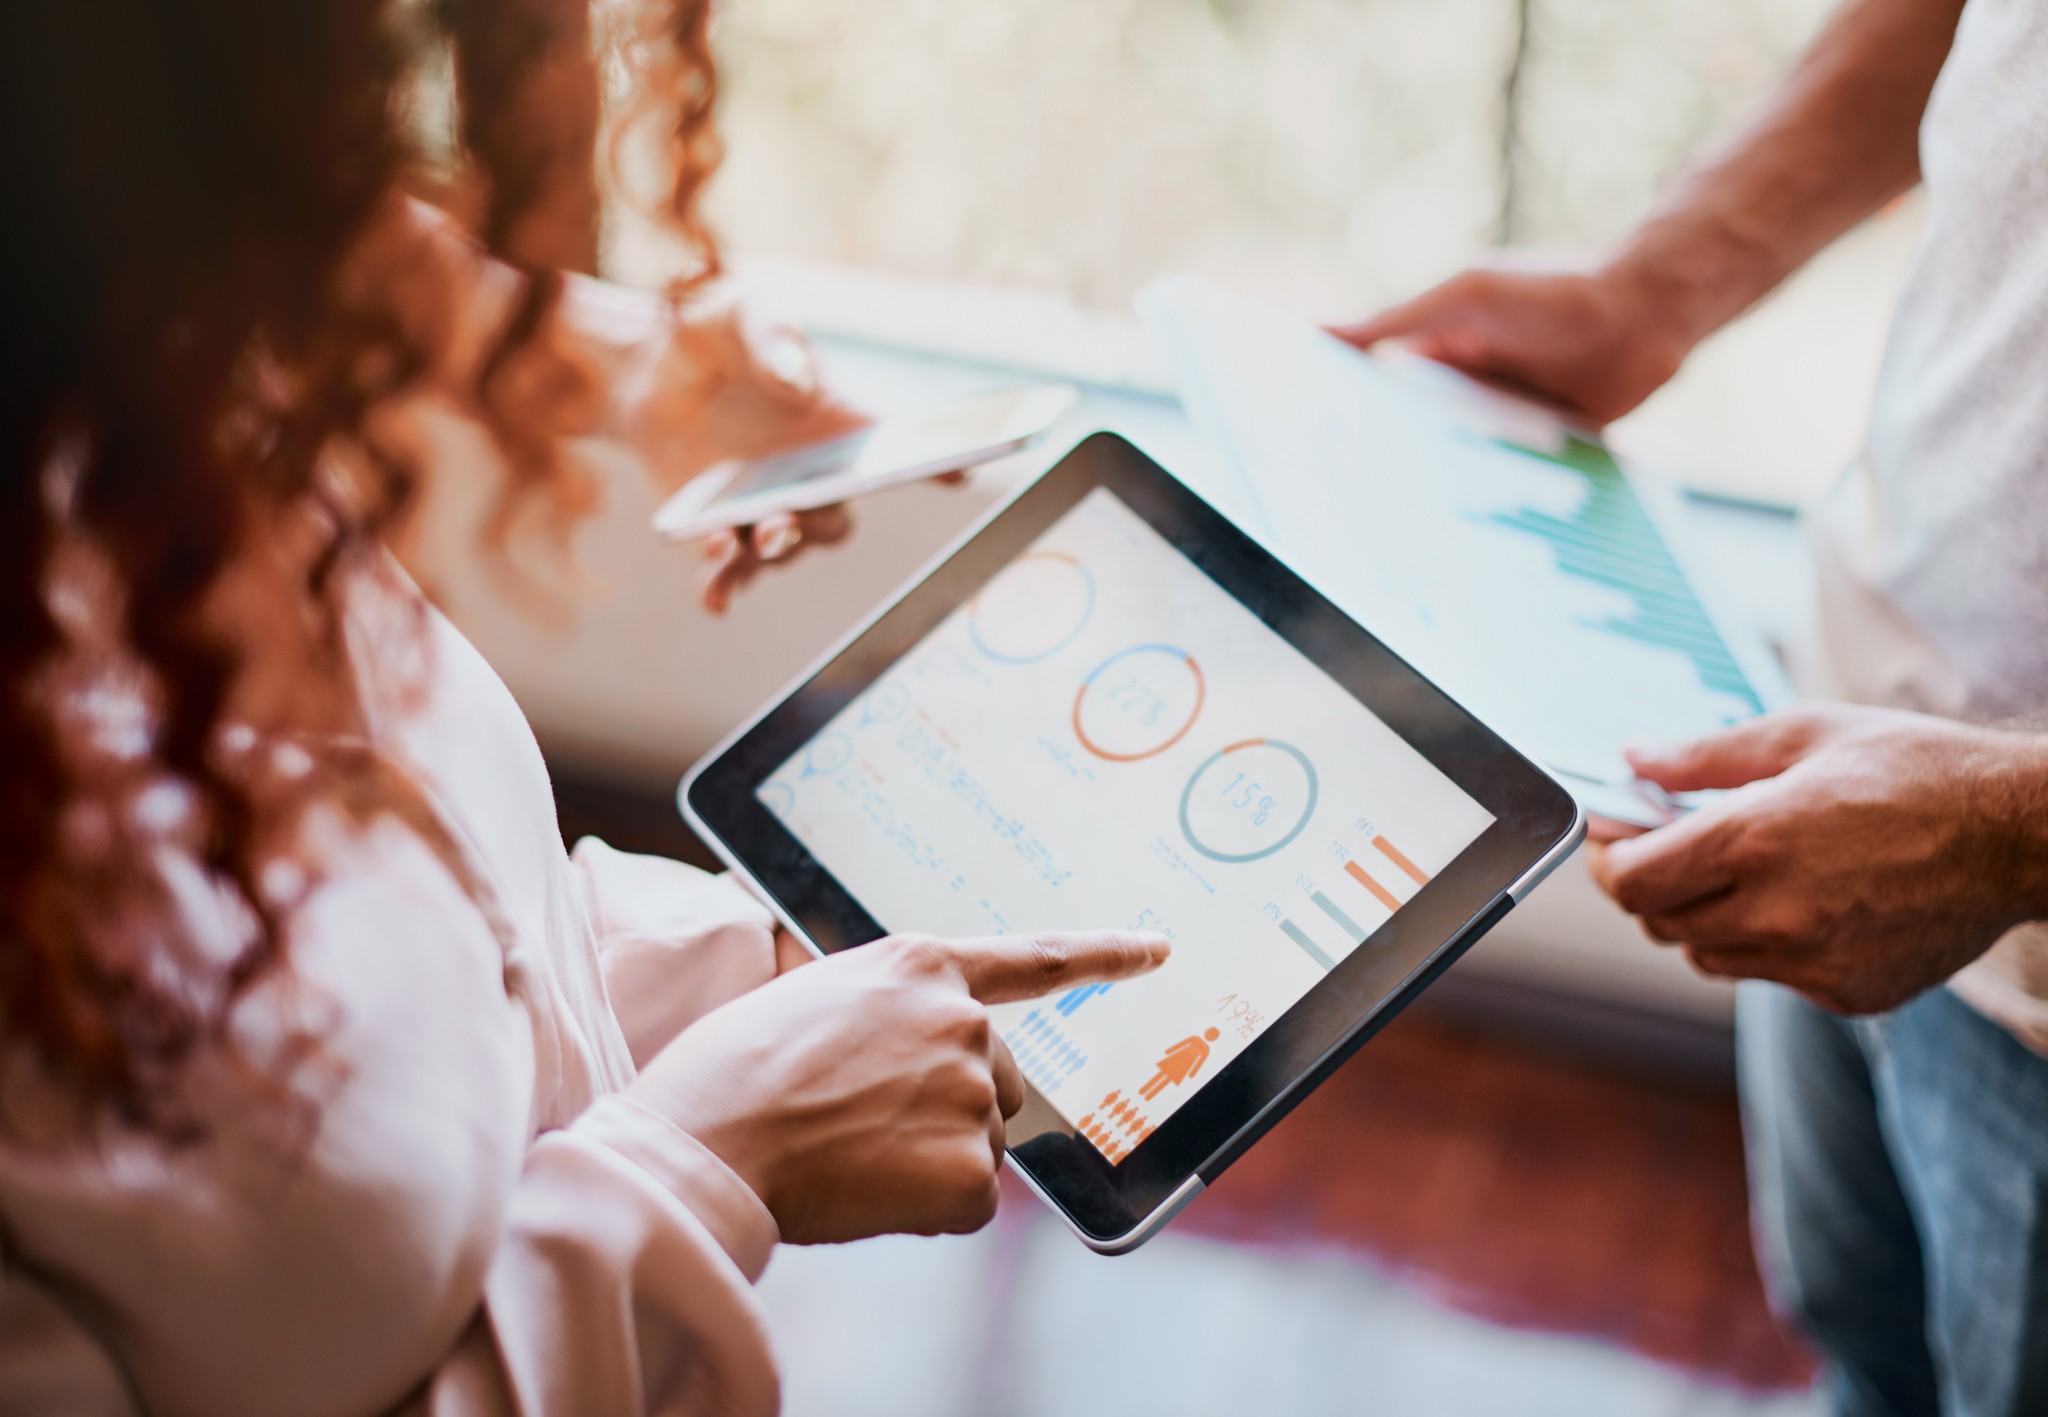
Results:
[1182, 1061]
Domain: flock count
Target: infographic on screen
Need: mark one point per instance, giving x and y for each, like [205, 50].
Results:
[1105, 738]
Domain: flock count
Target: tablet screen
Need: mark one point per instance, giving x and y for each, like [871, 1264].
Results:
[1104, 737]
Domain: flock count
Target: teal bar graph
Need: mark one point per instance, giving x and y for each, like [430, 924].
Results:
[1344, 922]
[1609, 540]
[1313, 950]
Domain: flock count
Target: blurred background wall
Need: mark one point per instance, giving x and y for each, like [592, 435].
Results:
[1330, 152]
[1330, 155]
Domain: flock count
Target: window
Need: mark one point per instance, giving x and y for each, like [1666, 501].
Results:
[1327, 154]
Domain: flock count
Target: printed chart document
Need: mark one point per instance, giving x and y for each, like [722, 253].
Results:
[1500, 551]
[1105, 737]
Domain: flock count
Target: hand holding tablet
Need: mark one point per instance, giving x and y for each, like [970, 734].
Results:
[1109, 707]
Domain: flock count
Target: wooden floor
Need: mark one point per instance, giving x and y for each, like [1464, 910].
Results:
[1528, 1187]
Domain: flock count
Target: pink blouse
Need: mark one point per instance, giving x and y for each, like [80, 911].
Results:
[468, 1210]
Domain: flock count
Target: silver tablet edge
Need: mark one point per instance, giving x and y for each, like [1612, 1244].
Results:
[1130, 1240]
[1568, 843]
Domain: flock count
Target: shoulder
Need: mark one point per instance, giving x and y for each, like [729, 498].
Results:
[361, 1145]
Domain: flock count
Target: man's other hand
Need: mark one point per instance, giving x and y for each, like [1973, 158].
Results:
[1865, 855]
[1588, 338]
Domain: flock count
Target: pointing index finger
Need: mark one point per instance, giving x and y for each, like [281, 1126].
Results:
[1002, 969]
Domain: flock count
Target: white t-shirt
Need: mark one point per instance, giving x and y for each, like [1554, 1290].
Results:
[1932, 550]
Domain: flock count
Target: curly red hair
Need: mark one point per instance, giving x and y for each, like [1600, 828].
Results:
[186, 366]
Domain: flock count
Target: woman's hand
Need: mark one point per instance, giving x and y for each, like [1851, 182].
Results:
[864, 1094]
[734, 557]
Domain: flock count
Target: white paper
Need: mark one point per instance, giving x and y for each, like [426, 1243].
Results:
[1493, 546]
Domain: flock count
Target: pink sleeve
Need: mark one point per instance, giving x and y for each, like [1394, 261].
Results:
[674, 942]
[418, 1251]
[622, 1283]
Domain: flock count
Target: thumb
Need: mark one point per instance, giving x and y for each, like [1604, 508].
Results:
[1760, 748]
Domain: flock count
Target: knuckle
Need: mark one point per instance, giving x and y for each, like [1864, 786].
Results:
[1750, 843]
[1791, 926]
[1626, 890]
[918, 954]
[1046, 960]
[1630, 890]
[1709, 963]
[975, 1086]
[975, 1208]
[976, 1031]
[969, 1168]
[1662, 929]
[1473, 283]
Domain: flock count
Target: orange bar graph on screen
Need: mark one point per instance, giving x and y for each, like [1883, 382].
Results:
[1393, 854]
[1380, 892]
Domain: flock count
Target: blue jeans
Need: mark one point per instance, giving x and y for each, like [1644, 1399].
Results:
[1899, 1178]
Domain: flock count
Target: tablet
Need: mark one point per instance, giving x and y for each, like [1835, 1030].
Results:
[1105, 707]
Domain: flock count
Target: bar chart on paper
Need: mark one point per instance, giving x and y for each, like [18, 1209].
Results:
[1502, 552]
[1610, 542]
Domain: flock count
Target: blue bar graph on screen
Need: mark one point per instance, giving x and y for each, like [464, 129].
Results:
[1074, 998]
[1043, 1052]
[1610, 541]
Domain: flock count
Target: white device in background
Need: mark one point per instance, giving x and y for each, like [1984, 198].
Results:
[892, 451]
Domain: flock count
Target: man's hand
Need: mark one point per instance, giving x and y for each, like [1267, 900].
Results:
[1837, 140]
[1867, 855]
[1586, 337]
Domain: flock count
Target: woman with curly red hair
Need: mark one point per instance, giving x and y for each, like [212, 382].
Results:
[329, 1082]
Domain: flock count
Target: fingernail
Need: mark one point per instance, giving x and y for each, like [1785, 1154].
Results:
[776, 541]
[1159, 947]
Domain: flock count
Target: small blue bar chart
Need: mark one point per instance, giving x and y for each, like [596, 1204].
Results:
[1043, 1051]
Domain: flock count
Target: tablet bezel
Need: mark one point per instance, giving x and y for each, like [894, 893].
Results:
[1537, 823]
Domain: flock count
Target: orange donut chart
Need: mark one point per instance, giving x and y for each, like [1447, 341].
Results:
[1194, 710]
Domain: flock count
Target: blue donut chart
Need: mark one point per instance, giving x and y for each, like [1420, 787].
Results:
[1308, 810]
